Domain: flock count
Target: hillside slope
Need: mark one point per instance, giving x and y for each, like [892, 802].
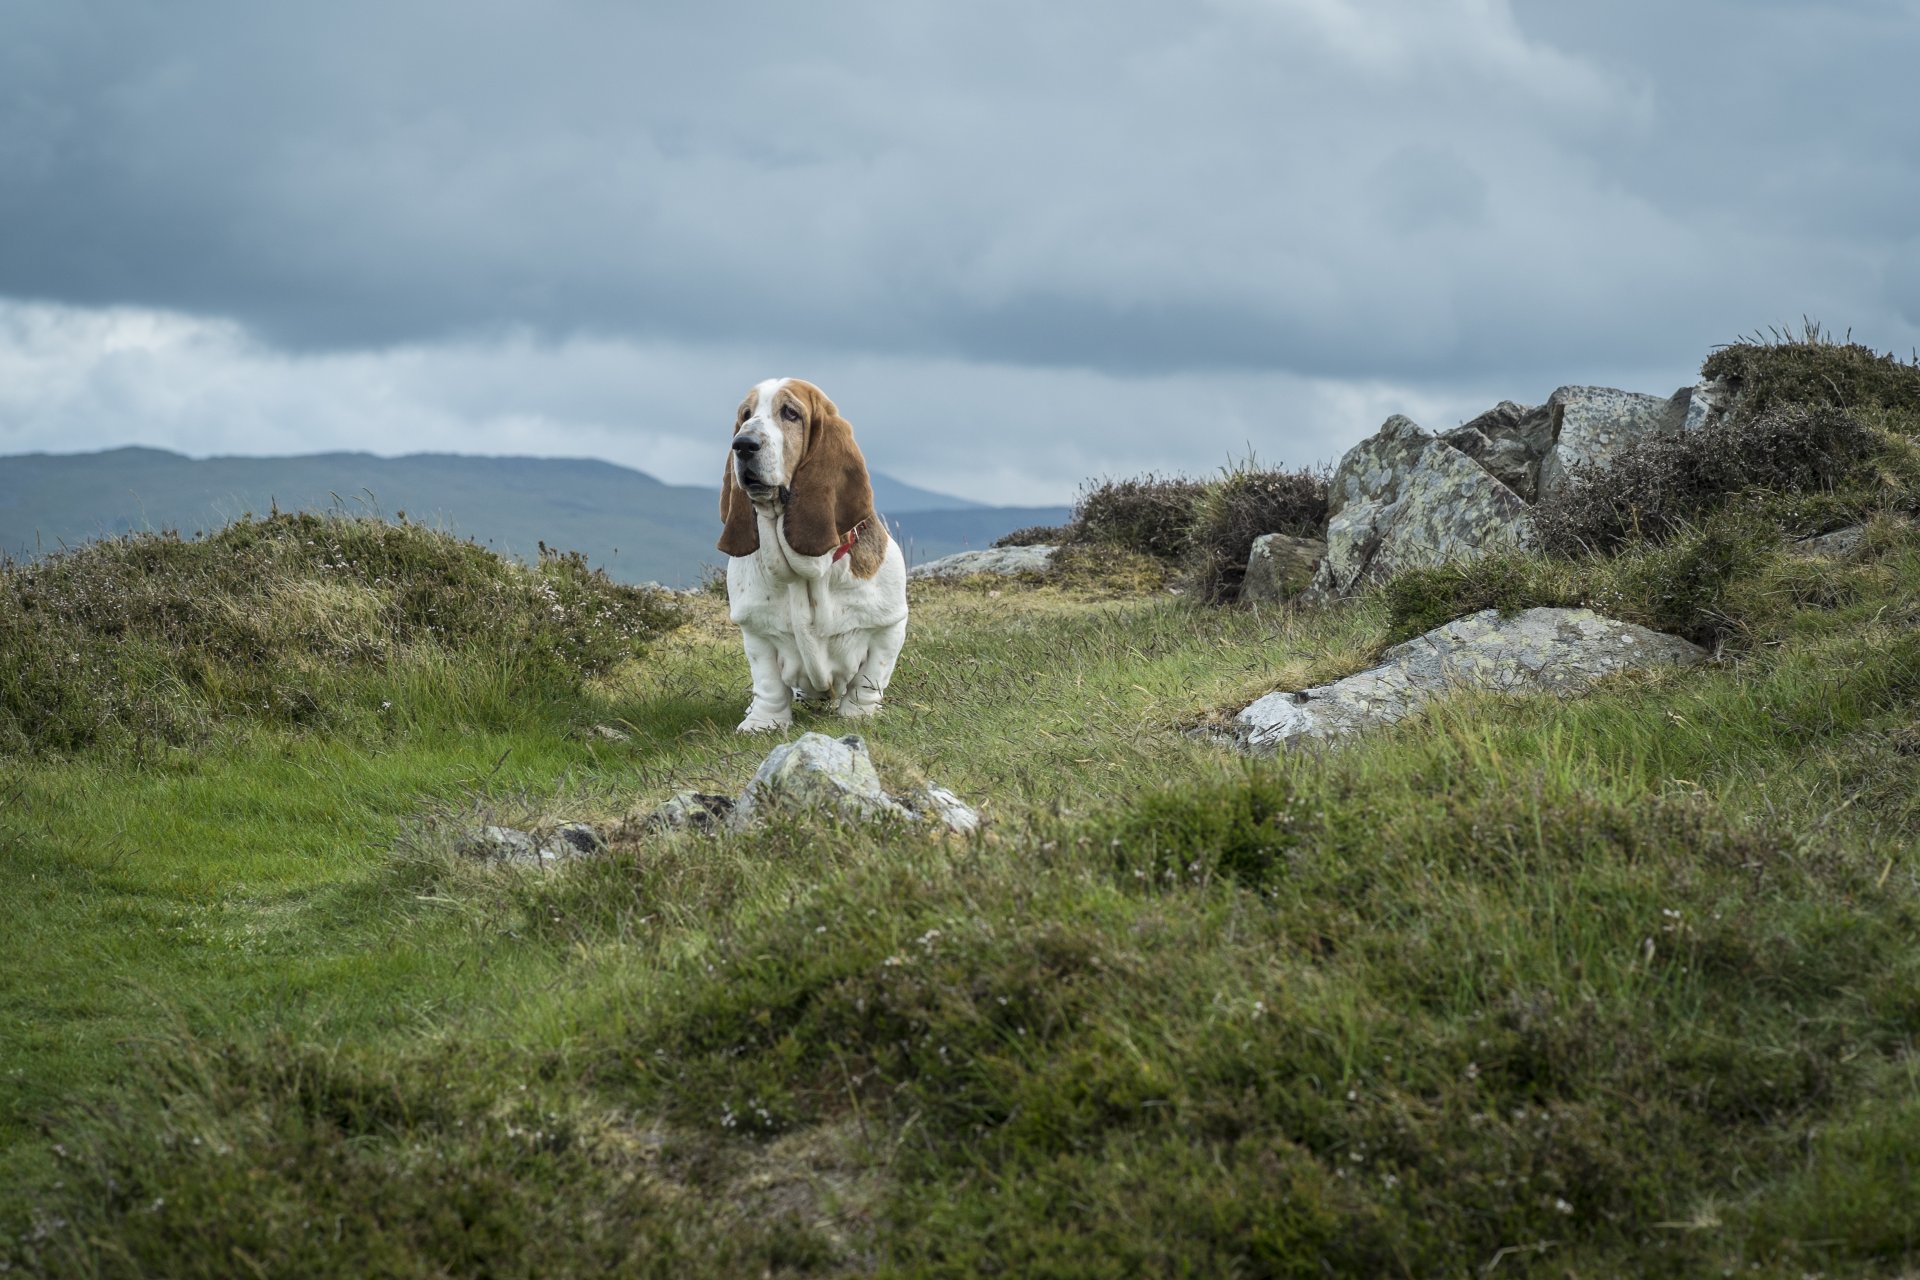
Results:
[636, 527]
[1626, 984]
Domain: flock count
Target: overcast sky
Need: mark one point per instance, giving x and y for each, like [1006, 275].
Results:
[1021, 244]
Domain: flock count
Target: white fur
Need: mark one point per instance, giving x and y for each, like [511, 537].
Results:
[807, 621]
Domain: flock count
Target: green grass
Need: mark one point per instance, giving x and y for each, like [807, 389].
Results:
[1622, 985]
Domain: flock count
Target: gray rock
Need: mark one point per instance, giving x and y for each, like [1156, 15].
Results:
[575, 839]
[1507, 441]
[937, 804]
[1558, 651]
[1280, 567]
[1006, 560]
[1838, 544]
[689, 811]
[1592, 424]
[1407, 499]
[817, 773]
[510, 847]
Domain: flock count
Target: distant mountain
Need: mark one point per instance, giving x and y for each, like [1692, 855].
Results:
[636, 527]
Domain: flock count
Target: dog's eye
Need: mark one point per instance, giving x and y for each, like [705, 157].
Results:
[790, 413]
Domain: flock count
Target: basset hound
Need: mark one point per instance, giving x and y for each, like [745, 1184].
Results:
[818, 589]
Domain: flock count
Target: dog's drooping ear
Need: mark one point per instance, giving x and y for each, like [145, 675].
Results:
[831, 492]
[740, 534]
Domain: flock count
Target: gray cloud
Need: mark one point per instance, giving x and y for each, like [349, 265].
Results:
[1389, 189]
[573, 227]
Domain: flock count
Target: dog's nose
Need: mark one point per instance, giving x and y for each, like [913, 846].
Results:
[742, 444]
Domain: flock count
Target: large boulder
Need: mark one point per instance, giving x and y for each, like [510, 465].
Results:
[1590, 425]
[1006, 560]
[1280, 567]
[1407, 499]
[1559, 651]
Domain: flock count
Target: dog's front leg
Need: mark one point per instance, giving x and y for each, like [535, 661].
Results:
[869, 684]
[772, 707]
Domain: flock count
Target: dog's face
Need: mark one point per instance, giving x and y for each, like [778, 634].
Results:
[770, 433]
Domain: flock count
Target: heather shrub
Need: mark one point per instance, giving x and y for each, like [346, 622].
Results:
[152, 636]
[1034, 535]
[1147, 513]
[1241, 506]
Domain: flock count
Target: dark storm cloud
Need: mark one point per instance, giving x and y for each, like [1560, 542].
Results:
[1415, 190]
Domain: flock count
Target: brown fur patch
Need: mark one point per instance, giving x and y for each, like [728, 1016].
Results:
[870, 550]
[831, 492]
[739, 531]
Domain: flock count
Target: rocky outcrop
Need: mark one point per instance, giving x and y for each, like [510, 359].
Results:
[1559, 651]
[1406, 499]
[1006, 560]
[1280, 567]
[814, 774]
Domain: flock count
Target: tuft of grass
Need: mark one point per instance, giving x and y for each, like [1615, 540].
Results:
[1244, 504]
[150, 638]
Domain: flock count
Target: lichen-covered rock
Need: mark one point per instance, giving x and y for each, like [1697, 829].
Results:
[937, 804]
[1508, 441]
[1592, 424]
[1006, 560]
[689, 811]
[817, 773]
[1838, 544]
[1280, 567]
[1407, 499]
[508, 846]
[1559, 651]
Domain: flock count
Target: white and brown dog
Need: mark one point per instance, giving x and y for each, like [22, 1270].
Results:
[817, 587]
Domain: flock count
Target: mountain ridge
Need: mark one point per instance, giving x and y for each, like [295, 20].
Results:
[635, 525]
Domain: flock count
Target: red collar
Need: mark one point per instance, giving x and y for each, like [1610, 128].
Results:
[847, 546]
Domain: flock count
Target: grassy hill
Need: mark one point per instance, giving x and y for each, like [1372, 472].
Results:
[634, 526]
[1626, 985]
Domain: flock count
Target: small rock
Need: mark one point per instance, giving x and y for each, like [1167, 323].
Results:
[937, 804]
[1839, 544]
[1008, 560]
[1558, 651]
[1280, 567]
[576, 839]
[689, 811]
[507, 846]
[607, 733]
[815, 772]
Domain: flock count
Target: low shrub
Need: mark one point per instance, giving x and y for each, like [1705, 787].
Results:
[1034, 535]
[1146, 514]
[153, 636]
[1814, 371]
[1238, 508]
[1664, 483]
[1698, 584]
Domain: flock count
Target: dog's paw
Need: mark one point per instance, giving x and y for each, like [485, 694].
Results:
[851, 710]
[764, 724]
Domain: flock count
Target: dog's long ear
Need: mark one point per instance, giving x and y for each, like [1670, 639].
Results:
[740, 532]
[831, 492]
